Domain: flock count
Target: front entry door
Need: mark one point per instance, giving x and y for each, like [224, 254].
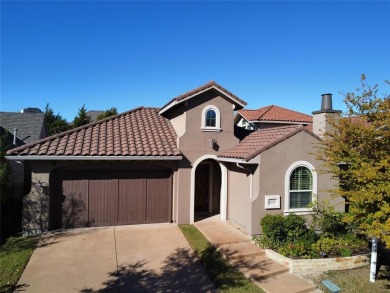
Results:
[202, 188]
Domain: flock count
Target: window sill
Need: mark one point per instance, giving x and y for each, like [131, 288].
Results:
[211, 129]
[304, 211]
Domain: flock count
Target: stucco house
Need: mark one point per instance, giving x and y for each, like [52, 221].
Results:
[270, 116]
[181, 163]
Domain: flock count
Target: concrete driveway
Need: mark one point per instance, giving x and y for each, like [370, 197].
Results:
[139, 258]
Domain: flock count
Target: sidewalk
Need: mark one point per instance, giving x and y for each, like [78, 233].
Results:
[238, 249]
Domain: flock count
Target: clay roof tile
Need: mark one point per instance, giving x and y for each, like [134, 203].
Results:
[139, 132]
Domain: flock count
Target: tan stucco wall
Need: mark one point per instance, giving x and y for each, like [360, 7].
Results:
[321, 122]
[239, 198]
[274, 165]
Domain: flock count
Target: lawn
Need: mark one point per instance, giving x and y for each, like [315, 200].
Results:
[225, 277]
[358, 280]
[14, 255]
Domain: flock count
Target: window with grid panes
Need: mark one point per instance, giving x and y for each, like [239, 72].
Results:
[301, 187]
[211, 118]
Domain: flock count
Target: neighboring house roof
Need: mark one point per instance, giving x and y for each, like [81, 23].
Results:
[9, 137]
[274, 113]
[93, 114]
[212, 85]
[261, 140]
[140, 132]
[31, 126]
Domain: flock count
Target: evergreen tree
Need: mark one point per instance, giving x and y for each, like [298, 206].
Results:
[110, 112]
[81, 118]
[55, 123]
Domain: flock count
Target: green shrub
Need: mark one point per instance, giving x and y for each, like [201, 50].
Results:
[265, 242]
[327, 220]
[280, 229]
[343, 245]
[295, 227]
[273, 228]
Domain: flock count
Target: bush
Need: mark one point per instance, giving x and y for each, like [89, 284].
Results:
[328, 221]
[343, 245]
[279, 229]
[273, 229]
[290, 237]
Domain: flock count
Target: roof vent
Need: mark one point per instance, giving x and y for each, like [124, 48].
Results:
[31, 110]
[326, 103]
[15, 135]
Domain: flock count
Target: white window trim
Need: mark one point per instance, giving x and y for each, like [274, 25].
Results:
[217, 127]
[301, 211]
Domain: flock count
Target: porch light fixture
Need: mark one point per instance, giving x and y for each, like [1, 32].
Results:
[212, 142]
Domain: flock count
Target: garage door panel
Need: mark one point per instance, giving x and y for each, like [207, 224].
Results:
[132, 201]
[158, 200]
[103, 201]
[74, 206]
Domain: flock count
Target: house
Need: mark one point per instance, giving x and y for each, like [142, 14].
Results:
[17, 129]
[22, 127]
[178, 163]
[270, 116]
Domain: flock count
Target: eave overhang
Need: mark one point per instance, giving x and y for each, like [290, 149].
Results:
[213, 87]
[94, 158]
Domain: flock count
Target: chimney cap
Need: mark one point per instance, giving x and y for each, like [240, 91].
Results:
[326, 105]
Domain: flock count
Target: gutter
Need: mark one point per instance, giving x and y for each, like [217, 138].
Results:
[255, 160]
[95, 158]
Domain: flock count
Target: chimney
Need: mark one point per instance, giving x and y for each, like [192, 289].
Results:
[321, 118]
[15, 135]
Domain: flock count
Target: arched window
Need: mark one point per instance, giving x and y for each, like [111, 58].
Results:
[301, 187]
[211, 119]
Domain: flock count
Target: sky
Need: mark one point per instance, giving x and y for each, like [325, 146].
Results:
[127, 54]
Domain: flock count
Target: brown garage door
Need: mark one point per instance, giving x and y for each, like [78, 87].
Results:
[89, 198]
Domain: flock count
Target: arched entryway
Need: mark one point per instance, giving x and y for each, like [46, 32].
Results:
[208, 188]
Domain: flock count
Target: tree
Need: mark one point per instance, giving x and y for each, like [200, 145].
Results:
[110, 112]
[55, 123]
[357, 152]
[81, 118]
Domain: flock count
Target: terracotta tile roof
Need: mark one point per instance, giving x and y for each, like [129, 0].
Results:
[211, 84]
[275, 113]
[139, 132]
[261, 140]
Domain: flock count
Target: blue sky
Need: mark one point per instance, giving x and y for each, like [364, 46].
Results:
[126, 54]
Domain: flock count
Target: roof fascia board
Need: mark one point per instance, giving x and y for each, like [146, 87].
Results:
[227, 95]
[175, 102]
[278, 122]
[255, 160]
[95, 158]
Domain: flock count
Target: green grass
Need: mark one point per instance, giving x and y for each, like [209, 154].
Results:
[225, 277]
[14, 255]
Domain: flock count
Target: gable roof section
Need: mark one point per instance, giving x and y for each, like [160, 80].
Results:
[139, 133]
[31, 126]
[261, 140]
[211, 85]
[274, 113]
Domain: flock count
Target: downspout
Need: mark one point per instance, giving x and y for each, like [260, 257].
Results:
[250, 179]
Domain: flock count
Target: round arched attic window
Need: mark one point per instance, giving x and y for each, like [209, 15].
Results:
[211, 119]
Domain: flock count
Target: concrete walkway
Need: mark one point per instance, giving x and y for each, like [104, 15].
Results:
[237, 248]
[138, 258]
